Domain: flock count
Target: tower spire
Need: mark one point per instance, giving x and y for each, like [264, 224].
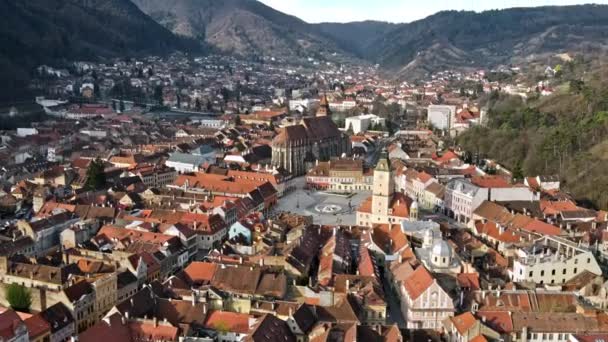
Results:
[324, 106]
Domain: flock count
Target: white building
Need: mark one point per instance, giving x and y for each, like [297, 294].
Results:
[26, 132]
[184, 163]
[463, 196]
[552, 260]
[342, 106]
[364, 122]
[437, 255]
[302, 104]
[441, 116]
[424, 303]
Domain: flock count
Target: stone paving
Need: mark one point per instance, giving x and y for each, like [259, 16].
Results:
[325, 208]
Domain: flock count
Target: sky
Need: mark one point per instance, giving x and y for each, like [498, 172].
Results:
[397, 11]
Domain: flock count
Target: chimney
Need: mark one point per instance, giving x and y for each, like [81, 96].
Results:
[261, 262]
[155, 321]
[290, 311]
[347, 285]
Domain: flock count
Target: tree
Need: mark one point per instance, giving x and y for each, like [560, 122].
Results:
[96, 177]
[158, 95]
[518, 172]
[197, 104]
[237, 120]
[19, 297]
[350, 129]
[121, 105]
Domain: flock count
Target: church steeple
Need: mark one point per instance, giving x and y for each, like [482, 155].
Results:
[383, 162]
[324, 106]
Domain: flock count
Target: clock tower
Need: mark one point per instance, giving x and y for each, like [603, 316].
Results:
[383, 187]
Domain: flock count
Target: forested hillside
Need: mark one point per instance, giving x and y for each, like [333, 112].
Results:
[564, 134]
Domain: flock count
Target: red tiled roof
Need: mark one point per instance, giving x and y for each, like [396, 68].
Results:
[228, 321]
[468, 280]
[418, 282]
[463, 322]
[490, 182]
[200, 272]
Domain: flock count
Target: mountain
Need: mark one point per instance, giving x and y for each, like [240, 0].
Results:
[451, 39]
[37, 32]
[564, 134]
[242, 27]
[356, 37]
[469, 39]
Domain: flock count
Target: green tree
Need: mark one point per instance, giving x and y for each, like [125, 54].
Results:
[158, 95]
[237, 120]
[121, 105]
[197, 104]
[518, 172]
[19, 297]
[96, 177]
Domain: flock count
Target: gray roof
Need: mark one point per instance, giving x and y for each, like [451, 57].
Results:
[186, 158]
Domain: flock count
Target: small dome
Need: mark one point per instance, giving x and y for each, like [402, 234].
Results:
[441, 249]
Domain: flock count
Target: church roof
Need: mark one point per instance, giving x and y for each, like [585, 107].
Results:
[315, 128]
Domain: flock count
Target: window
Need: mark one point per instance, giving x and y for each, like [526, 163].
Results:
[588, 260]
[531, 274]
[553, 272]
[575, 261]
[575, 270]
[542, 273]
[564, 271]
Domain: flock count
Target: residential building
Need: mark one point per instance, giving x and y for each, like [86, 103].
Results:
[441, 116]
[363, 123]
[553, 260]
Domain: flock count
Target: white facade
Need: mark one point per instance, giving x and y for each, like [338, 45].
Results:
[343, 105]
[428, 310]
[25, 132]
[302, 103]
[184, 163]
[441, 116]
[462, 197]
[553, 260]
[362, 123]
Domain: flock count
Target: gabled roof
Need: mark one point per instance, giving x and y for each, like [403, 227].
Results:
[418, 282]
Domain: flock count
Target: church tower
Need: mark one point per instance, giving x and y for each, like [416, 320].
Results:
[324, 107]
[383, 187]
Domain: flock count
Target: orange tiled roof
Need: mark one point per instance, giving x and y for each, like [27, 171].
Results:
[229, 321]
[418, 282]
[463, 322]
[490, 182]
[200, 272]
